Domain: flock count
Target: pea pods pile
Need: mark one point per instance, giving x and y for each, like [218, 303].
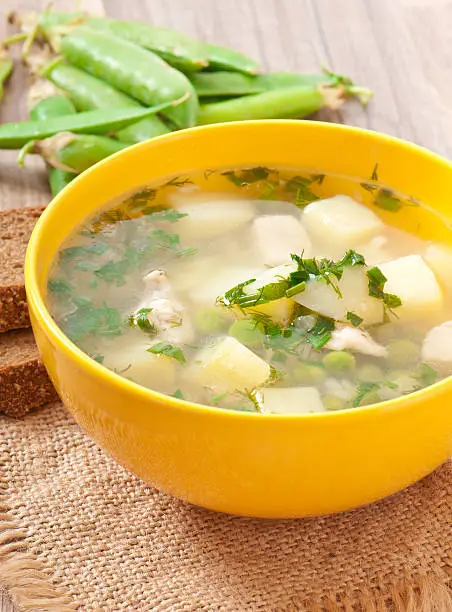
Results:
[115, 83]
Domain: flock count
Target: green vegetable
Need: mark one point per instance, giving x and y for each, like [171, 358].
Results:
[426, 375]
[291, 103]
[309, 373]
[339, 362]
[89, 93]
[403, 353]
[15, 135]
[59, 285]
[247, 332]
[376, 283]
[332, 402]
[224, 83]
[140, 319]
[223, 58]
[366, 392]
[54, 106]
[74, 152]
[6, 67]
[134, 71]
[161, 348]
[180, 51]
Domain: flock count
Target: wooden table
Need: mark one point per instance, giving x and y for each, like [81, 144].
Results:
[402, 49]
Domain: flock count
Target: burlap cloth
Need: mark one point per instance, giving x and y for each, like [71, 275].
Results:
[78, 532]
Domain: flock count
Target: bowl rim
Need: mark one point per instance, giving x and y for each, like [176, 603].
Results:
[82, 360]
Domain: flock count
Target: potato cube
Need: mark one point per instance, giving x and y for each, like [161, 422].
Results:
[437, 347]
[294, 400]
[439, 258]
[157, 372]
[414, 282]
[213, 218]
[341, 221]
[229, 365]
[206, 292]
[277, 236]
[321, 297]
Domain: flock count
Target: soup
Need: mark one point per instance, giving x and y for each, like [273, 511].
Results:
[262, 290]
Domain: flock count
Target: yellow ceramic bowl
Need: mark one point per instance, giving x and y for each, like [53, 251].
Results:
[242, 463]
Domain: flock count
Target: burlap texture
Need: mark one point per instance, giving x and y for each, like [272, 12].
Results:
[78, 532]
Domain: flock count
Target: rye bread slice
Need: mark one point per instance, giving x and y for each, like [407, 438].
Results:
[16, 226]
[24, 383]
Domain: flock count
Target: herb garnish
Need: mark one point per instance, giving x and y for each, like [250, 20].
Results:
[245, 177]
[162, 348]
[140, 319]
[178, 394]
[427, 375]
[104, 321]
[354, 319]
[59, 285]
[364, 388]
[376, 284]
[320, 334]
[256, 398]
[86, 250]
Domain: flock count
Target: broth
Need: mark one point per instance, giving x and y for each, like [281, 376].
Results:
[261, 289]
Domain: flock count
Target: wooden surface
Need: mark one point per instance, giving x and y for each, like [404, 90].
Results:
[402, 49]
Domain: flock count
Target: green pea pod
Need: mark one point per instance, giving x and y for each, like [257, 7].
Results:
[280, 80]
[89, 93]
[6, 67]
[54, 106]
[290, 103]
[76, 152]
[16, 135]
[133, 70]
[224, 83]
[180, 51]
[223, 58]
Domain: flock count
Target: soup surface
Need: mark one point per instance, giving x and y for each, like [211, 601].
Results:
[261, 289]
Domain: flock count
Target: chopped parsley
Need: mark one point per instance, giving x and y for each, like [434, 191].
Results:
[162, 348]
[86, 320]
[427, 375]
[246, 177]
[320, 334]
[376, 285]
[354, 319]
[140, 319]
[178, 394]
[59, 285]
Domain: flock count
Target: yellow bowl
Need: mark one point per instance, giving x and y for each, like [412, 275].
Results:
[243, 463]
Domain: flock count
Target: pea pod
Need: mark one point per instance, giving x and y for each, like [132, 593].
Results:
[6, 67]
[89, 93]
[16, 135]
[224, 83]
[180, 51]
[75, 152]
[290, 103]
[230, 84]
[133, 70]
[54, 106]
[223, 58]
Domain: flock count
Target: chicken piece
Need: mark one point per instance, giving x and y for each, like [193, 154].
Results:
[437, 347]
[341, 221]
[295, 400]
[167, 314]
[277, 236]
[342, 388]
[356, 340]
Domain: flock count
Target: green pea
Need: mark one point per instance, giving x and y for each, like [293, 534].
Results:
[211, 320]
[247, 332]
[339, 362]
[309, 374]
[333, 402]
[370, 373]
[402, 353]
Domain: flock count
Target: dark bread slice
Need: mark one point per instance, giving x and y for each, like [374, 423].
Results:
[24, 383]
[16, 226]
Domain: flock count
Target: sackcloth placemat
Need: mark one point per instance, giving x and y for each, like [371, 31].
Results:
[78, 532]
